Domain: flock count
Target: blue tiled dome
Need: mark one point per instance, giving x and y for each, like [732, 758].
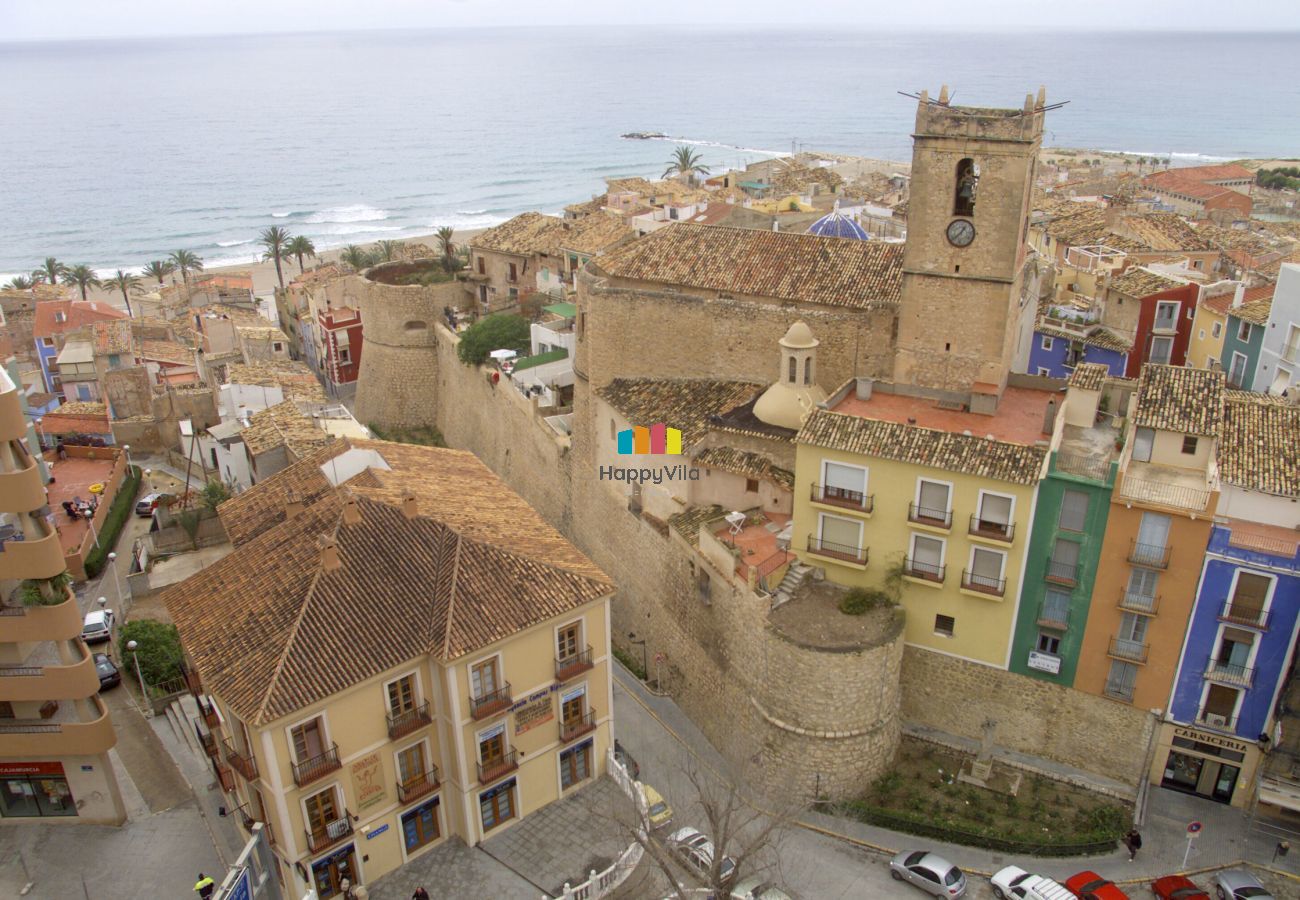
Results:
[836, 224]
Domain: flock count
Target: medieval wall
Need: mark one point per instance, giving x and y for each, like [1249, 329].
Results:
[399, 370]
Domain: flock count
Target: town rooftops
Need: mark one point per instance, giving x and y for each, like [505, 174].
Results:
[74, 314]
[1019, 419]
[77, 417]
[1224, 172]
[112, 336]
[1222, 303]
[1259, 443]
[797, 267]
[1087, 225]
[1089, 377]
[1256, 312]
[1097, 336]
[171, 352]
[1139, 282]
[592, 234]
[283, 425]
[1195, 183]
[683, 403]
[296, 380]
[744, 462]
[419, 552]
[527, 234]
[957, 452]
[1174, 398]
[1164, 231]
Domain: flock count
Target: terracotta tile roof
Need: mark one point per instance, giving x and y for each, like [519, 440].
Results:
[236, 314]
[77, 314]
[586, 208]
[271, 631]
[660, 190]
[592, 234]
[324, 272]
[1222, 172]
[77, 417]
[950, 451]
[1164, 231]
[784, 266]
[296, 380]
[1272, 269]
[1096, 337]
[283, 425]
[112, 336]
[527, 234]
[1089, 377]
[683, 403]
[1138, 282]
[1173, 398]
[744, 462]
[1255, 311]
[227, 280]
[167, 351]
[1174, 182]
[689, 522]
[1087, 225]
[1259, 444]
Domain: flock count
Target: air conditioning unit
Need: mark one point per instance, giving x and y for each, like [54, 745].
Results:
[1216, 721]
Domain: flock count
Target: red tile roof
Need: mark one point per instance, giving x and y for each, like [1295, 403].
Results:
[76, 313]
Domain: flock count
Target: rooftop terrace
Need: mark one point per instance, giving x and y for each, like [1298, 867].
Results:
[1019, 419]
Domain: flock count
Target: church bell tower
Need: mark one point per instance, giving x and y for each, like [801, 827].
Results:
[961, 314]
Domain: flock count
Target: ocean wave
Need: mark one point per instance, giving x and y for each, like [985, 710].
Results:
[234, 243]
[356, 212]
[1170, 154]
[471, 212]
[284, 215]
[361, 229]
[718, 144]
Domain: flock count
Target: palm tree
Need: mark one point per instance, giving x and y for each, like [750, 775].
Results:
[301, 246]
[276, 239]
[686, 162]
[355, 257]
[160, 269]
[82, 277]
[186, 261]
[388, 249]
[446, 236]
[124, 283]
[51, 270]
[20, 283]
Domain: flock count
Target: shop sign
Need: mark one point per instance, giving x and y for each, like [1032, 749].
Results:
[368, 781]
[376, 832]
[1045, 662]
[1212, 739]
[534, 711]
[31, 768]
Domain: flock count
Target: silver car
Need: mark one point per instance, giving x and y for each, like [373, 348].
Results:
[695, 850]
[1234, 884]
[928, 871]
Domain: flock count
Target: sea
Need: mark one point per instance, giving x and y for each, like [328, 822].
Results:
[113, 153]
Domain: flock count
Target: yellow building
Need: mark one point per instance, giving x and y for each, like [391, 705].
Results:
[399, 649]
[892, 484]
[1205, 348]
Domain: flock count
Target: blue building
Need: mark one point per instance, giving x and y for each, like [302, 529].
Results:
[1058, 351]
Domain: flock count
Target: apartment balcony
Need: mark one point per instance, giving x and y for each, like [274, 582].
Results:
[932, 518]
[62, 734]
[329, 833]
[1066, 574]
[497, 768]
[226, 776]
[316, 767]
[208, 710]
[44, 676]
[1116, 691]
[22, 489]
[1127, 650]
[416, 787]
[192, 681]
[923, 570]
[1004, 532]
[567, 667]
[32, 557]
[843, 498]
[208, 741]
[1181, 489]
[1244, 614]
[831, 550]
[1095, 466]
[243, 763]
[23, 624]
[1056, 619]
[13, 425]
[406, 722]
[576, 728]
[1217, 721]
[1222, 672]
[983, 584]
[1138, 603]
[1151, 556]
[245, 816]
[491, 703]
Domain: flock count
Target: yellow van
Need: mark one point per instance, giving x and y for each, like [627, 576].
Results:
[660, 813]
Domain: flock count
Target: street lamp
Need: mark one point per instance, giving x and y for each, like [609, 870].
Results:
[117, 579]
[645, 662]
[126, 448]
[40, 435]
[132, 645]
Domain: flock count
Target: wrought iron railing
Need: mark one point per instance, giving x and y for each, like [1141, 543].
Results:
[924, 570]
[998, 531]
[845, 552]
[1154, 556]
[1239, 613]
[491, 703]
[405, 722]
[574, 664]
[575, 728]
[418, 785]
[924, 515]
[317, 766]
[1128, 650]
[843, 497]
[496, 768]
[984, 584]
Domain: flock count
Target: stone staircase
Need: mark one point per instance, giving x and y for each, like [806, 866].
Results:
[181, 716]
[793, 580]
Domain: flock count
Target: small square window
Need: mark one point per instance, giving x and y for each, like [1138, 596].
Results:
[1049, 643]
[1046, 343]
[1216, 329]
[1189, 444]
[944, 625]
[751, 485]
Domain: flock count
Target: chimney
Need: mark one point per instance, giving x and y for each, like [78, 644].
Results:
[1239, 295]
[410, 508]
[292, 505]
[1049, 416]
[329, 553]
[943, 95]
[351, 512]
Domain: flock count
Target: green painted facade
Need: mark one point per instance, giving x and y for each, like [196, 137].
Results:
[1041, 616]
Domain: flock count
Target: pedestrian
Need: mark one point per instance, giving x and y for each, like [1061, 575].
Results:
[1133, 841]
[420, 894]
[205, 886]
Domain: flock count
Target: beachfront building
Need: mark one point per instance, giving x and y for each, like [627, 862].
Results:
[1279, 357]
[55, 732]
[1201, 191]
[1241, 635]
[506, 262]
[430, 660]
[1069, 528]
[55, 322]
[1157, 528]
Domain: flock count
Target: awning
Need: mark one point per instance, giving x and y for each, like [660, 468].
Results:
[564, 310]
[503, 354]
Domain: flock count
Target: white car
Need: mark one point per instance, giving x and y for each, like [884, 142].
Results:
[695, 851]
[98, 626]
[930, 872]
[1014, 883]
[756, 888]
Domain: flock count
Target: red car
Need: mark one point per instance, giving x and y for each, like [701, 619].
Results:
[1091, 886]
[1176, 887]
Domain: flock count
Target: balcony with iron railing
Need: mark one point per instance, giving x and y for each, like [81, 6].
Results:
[930, 517]
[1217, 721]
[1128, 650]
[327, 834]
[1057, 619]
[1130, 601]
[1151, 556]
[491, 703]
[245, 816]
[925, 571]
[1249, 615]
[983, 584]
[318, 766]
[1119, 691]
[208, 741]
[1062, 573]
[832, 550]
[1157, 485]
[208, 710]
[418, 785]
[843, 498]
[497, 768]
[1222, 672]
[573, 665]
[576, 728]
[994, 531]
[403, 723]
[243, 763]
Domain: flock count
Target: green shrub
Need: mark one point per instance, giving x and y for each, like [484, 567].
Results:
[158, 647]
[859, 600]
[31, 595]
[214, 493]
[424, 435]
[118, 513]
[500, 331]
[632, 665]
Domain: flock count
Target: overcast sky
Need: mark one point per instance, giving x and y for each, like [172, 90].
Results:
[55, 19]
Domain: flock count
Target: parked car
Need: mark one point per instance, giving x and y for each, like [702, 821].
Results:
[695, 850]
[755, 888]
[1091, 886]
[626, 761]
[1014, 883]
[657, 808]
[97, 626]
[109, 676]
[146, 505]
[928, 871]
[1177, 887]
[1236, 884]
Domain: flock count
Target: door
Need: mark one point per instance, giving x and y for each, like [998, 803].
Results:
[1237, 371]
[492, 750]
[1225, 783]
[839, 535]
[986, 569]
[1132, 635]
[995, 514]
[847, 483]
[1248, 597]
[308, 741]
[1153, 533]
[927, 556]
[410, 766]
[483, 679]
[932, 501]
[1143, 440]
[330, 872]
[572, 711]
[1162, 350]
[567, 642]
[321, 811]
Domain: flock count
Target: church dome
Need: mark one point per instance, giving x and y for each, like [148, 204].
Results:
[836, 224]
[789, 399]
[799, 337]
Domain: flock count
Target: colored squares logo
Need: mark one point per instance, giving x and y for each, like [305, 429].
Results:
[658, 438]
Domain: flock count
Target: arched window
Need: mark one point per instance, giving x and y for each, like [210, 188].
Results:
[807, 371]
[968, 179]
[794, 370]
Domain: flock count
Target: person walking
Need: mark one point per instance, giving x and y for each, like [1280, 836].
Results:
[204, 887]
[1133, 841]
[420, 894]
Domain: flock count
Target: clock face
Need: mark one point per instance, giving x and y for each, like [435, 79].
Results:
[961, 232]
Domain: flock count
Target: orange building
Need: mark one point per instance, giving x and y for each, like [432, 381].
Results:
[1161, 513]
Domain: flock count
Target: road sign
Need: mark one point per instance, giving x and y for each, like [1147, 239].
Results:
[1194, 827]
[241, 888]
